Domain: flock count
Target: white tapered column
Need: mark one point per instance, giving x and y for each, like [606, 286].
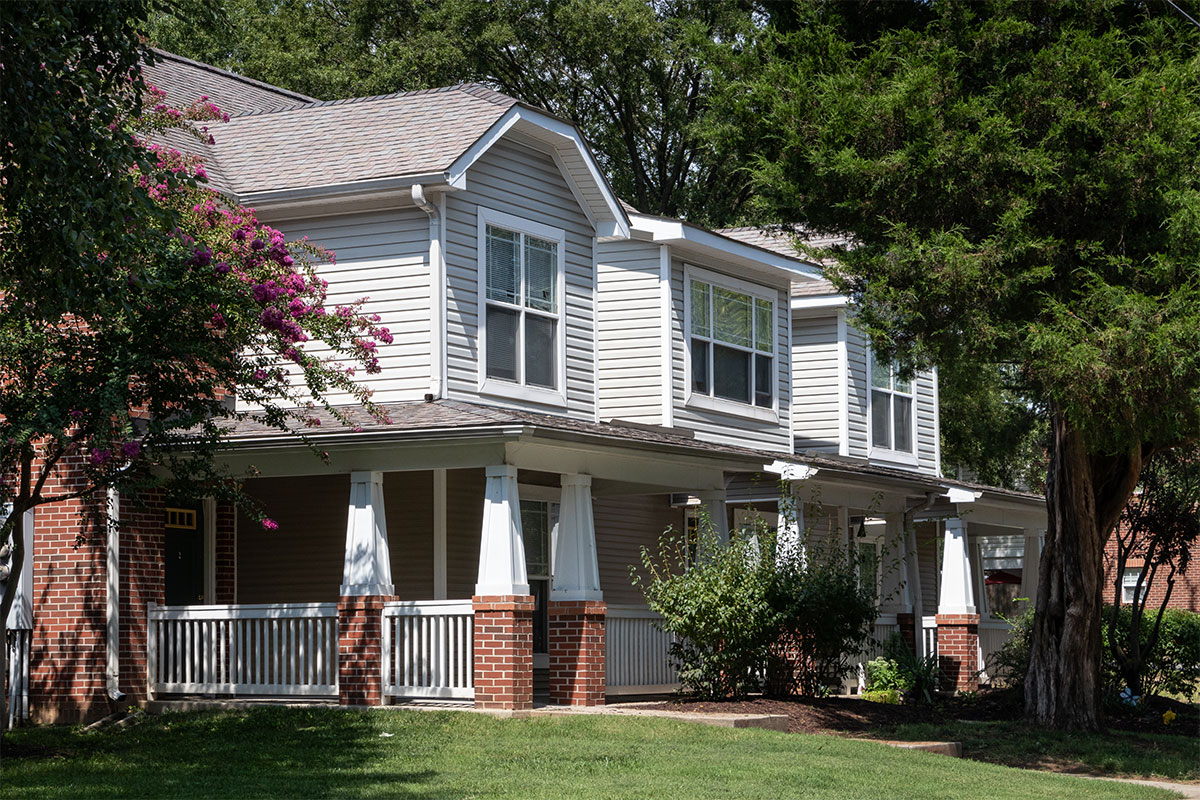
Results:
[501, 547]
[368, 567]
[958, 595]
[789, 542]
[576, 568]
[714, 504]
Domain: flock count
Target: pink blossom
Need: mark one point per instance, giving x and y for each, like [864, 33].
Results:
[270, 524]
[131, 450]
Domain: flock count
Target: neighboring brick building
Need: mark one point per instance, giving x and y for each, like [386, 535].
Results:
[1185, 595]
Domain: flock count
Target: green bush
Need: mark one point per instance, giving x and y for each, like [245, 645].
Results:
[1173, 666]
[739, 608]
[889, 697]
[920, 676]
[884, 674]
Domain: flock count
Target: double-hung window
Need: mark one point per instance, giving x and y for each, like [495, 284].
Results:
[891, 408]
[1129, 587]
[521, 279]
[732, 343]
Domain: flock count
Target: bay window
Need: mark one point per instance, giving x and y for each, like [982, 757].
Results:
[732, 343]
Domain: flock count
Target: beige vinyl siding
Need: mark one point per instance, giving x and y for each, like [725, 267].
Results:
[302, 561]
[525, 183]
[382, 256]
[815, 385]
[630, 359]
[464, 520]
[408, 500]
[624, 525]
[713, 426]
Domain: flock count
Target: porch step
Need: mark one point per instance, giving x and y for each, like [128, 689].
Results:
[240, 704]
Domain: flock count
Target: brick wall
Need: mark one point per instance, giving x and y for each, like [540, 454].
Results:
[1185, 595]
[503, 652]
[141, 583]
[67, 660]
[577, 632]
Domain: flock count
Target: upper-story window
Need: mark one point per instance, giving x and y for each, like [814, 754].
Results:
[1129, 585]
[891, 408]
[521, 282]
[732, 342]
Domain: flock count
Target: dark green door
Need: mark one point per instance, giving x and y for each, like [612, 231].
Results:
[184, 556]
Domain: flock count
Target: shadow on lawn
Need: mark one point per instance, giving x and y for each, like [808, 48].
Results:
[260, 753]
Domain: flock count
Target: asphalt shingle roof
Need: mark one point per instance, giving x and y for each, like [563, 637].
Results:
[185, 80]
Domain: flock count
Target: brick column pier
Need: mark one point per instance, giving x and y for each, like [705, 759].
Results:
[577, 652]
[360, 650]
[503, 652]
[958, 651]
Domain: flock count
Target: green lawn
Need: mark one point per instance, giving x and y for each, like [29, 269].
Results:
[333, 753]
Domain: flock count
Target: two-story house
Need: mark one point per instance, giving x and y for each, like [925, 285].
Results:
[568, 379]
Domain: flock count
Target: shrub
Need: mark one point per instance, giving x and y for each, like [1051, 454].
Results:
[889, 697]
[1173, 666]
[884, 673]
[737, 609]
[919, 675]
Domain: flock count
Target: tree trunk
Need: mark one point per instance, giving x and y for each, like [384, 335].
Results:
[1084, 496]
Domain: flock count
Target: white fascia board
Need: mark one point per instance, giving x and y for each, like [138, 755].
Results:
[826, 301]
[685, 236]
[341, 190]
[613, 224]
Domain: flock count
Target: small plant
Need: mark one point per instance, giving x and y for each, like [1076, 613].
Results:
[884, 674]
[889, 697]
[920, 674]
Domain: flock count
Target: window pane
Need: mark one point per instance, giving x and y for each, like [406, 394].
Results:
[502, 343]
[880, 374]
[731, 373]
[763, 328]
[699, 310]
[764, 380]
[903, 408]
[899, 384]
[731, 317]
[503, 264]
[540, 362]
[881, 419]
[541, 268]
[868, 560]
[699, 366]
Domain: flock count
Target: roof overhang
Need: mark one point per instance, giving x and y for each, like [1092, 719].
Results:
[573, 157]
[694, 239]
[398, 185]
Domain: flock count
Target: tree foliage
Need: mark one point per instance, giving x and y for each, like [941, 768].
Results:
[134, 302]
[1021, 184]
[635, 76]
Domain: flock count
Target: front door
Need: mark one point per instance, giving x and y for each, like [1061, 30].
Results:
[183, 565]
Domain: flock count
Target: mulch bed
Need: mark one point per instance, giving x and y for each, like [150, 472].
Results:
[852, 716]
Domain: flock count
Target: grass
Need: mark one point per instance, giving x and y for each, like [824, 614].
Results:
[1141, 755]
[333, 753]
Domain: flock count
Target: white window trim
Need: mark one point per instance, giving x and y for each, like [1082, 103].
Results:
[1135, 573]
[507, 389]
[720, 405]
[878, 453]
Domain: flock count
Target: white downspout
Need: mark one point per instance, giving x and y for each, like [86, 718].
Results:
[437, 292]
[112, 604]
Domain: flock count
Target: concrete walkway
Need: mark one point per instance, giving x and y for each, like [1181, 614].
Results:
[1191, 791]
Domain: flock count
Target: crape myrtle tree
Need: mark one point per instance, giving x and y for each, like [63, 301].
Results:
[134, 301]
[1021, 184]
[1159, 527]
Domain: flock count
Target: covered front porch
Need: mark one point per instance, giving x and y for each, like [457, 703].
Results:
[490, 568]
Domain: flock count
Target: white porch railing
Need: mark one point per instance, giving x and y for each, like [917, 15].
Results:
[929, 636]
[635, 656]
[428, 649]
[18, 675]
[885, 626]
[993, 634]
[286, 649]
